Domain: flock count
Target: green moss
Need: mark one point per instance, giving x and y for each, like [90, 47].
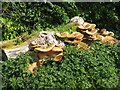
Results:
[64, 28]
[19, 41]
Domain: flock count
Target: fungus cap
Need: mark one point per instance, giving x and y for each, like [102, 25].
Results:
[92, 32]
[96, 36]
[74, 34]
[107, 38]
[81, 27]
[87, 25]
[58, 57]
[99, 37]
[57, 49]
[77, 41]
[79, 36]
[105, 33]
[74, 41]
[111, 34]
[111, 42]
[64, 34]
[92, 26]
[32, 66]
[45, 49]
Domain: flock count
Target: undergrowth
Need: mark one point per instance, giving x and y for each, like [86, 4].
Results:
[20, 17]
[79, 68]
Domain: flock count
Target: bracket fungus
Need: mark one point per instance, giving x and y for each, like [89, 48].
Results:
[87, 25]
[33, 65]
[64, 34]
[74, 35]
[45, 49]
[57, 49]
[44, 54]
[79, 37]
[86, 33]
[106, 33]
[97, 37]
[92, 32]
[108, 40]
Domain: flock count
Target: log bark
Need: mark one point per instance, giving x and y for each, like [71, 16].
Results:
[44, 38]
[13, 53]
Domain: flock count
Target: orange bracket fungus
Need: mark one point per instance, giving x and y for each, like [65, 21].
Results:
[44, 54]
[108, 40]
[87, 26]
[75, 37]
[87, 32]
[45, 49]
[91, 33]
[64, 34]
[106, 33]
[33, 65]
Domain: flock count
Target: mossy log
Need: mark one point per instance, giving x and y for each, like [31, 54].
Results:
[13, 48]
[13, 53]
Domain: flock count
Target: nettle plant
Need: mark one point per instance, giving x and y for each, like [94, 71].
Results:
[79, 68]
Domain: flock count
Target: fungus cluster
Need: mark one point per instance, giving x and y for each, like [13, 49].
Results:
[75, 37]
[45, 53]
[85, 31]
[92, 33]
